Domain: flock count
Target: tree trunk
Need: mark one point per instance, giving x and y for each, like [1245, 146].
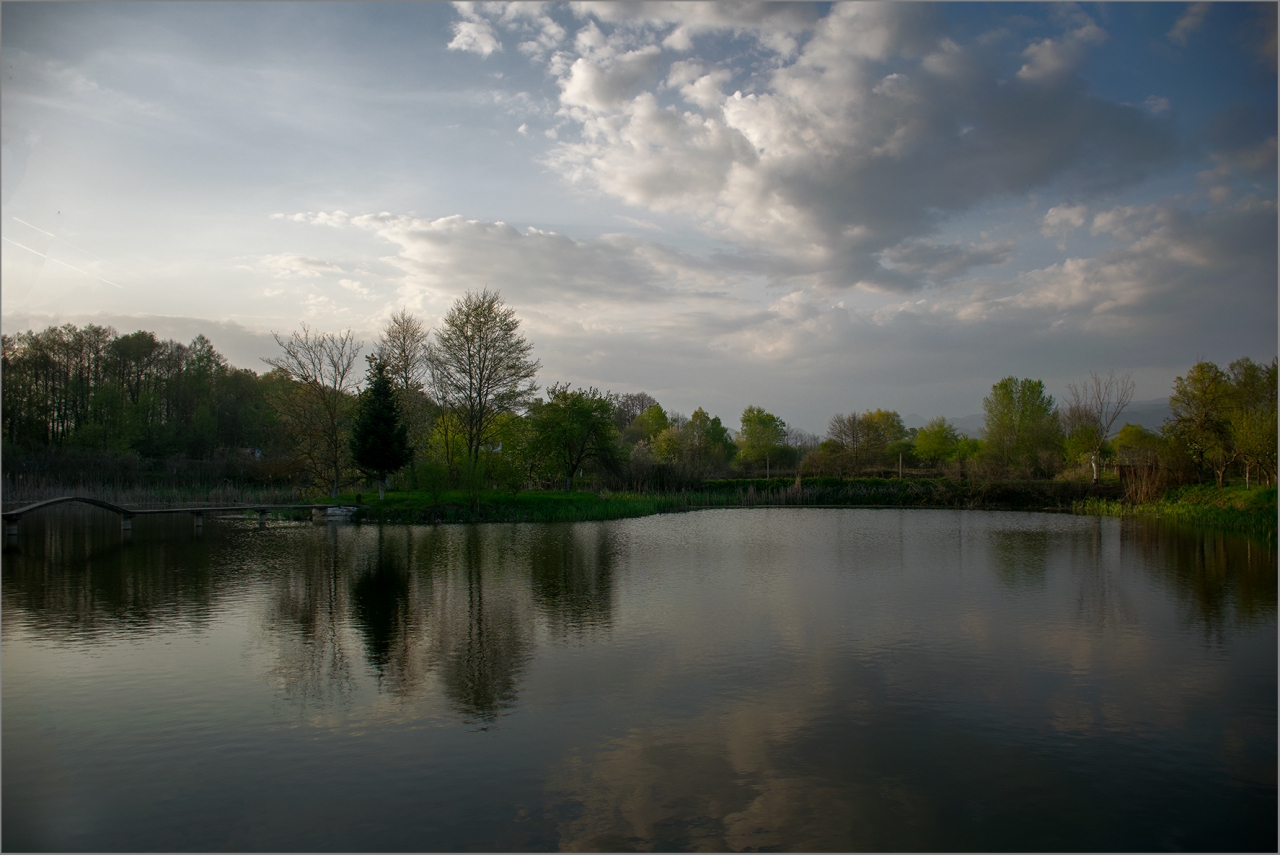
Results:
[1093, 461]
[382, 488]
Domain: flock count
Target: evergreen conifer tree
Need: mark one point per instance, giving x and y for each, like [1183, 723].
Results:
[379, 440]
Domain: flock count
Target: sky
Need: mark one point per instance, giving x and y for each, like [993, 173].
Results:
[816, 209]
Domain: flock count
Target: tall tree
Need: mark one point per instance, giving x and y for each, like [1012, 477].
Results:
[1093, 406]
[402, 346]
[848, 434]
[1021, 426]
[379, 438]
[573, 427]
[1200, 406]
[761, 437]
[317, 410]
[1251, 415]
[480, 366]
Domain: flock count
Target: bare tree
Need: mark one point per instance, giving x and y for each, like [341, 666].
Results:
[403, 347]
[850, 433]
[318, 410]
[629, 405]
[480, 366]
[1093, 406]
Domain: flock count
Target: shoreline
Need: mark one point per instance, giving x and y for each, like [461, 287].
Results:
[1251, 511]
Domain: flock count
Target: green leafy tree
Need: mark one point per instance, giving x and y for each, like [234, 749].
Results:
[1021, 429]
[379, 437]
[762, 436]
[574, 426]
[710, 444]
[519, 456]
[698, 444]
[652, 421]
[937, 440]
[881, 428]
[1252, 416]
[1200, 405]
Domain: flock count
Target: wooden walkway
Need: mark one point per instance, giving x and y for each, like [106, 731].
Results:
[127, 514]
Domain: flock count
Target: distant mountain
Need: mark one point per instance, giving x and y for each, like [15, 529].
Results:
[966, 425]
[1150, 414]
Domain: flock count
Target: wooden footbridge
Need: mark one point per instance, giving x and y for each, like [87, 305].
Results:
[318, 512]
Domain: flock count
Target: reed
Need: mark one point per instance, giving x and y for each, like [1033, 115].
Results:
[1234, 507]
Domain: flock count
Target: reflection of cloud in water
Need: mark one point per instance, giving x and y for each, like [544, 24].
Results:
[712, 782]
[1067, 648]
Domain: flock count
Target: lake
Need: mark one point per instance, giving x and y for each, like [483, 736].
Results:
[783, 679]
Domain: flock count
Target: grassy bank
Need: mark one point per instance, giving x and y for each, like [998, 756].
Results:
[495, 506]
[1233, 507]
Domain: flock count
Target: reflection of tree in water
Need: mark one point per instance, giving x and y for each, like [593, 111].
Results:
[1092, 557]
[1223, 578]
[453, 602]
[1021, 557]
[306, 619]
[442, 600]
[483, 628]
[380, 607]
[74, 578]
[572, 579]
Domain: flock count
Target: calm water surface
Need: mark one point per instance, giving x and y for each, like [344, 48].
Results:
[742, 679]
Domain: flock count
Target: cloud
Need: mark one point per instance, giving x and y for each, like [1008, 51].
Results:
[288, 265]
[1061, 221]
[1188, 23]
[473, 33]
[63, 86]
[355, 286]
[1051, 60]
[1176, 271]
[863, 130]
[623, 312]
[939, 262]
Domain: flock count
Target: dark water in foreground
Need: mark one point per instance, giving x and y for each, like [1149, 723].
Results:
[743, 679]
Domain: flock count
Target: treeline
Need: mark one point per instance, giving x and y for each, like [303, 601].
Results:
[457, 407]
[94, 398]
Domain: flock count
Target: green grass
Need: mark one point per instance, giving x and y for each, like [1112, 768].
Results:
[454, 506]
[550, 506]
[1233, 507]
